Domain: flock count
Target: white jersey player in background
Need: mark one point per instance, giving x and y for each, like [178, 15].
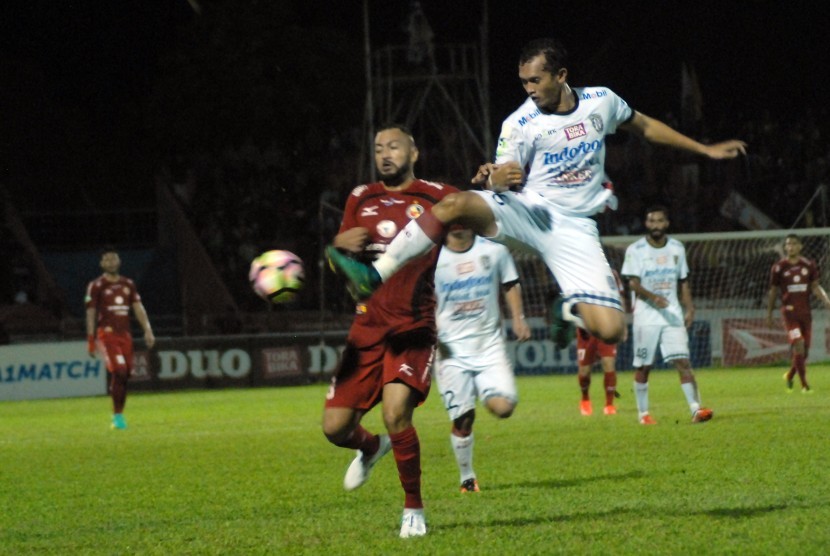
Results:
[472, 360]
[559, 134]
[656, 266]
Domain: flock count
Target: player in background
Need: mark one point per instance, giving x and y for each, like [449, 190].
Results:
[589, 350]
[656, 267]
[391, 341]
[794, 278]
[108, 301]
[559, 134]
[472, 359]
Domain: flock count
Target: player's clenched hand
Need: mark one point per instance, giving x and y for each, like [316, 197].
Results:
[726, 149]
[504, 176]
[483, 173]
[149, 339]
[352, 240]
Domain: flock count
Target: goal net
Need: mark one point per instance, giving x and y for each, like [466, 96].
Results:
[729, 277]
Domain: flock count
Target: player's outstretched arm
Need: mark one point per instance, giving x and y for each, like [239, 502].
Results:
[657, 132]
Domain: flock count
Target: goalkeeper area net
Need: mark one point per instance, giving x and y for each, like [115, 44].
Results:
[729, 277]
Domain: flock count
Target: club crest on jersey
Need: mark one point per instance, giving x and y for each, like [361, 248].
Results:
[387, 228]
[414, 210]
[596, 121]
[796, 278]
[804, 271]
[486, 263]
[575, 131]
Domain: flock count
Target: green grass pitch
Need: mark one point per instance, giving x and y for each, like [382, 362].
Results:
[249, 472]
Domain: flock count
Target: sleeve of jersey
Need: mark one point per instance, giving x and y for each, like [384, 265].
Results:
[349, 220]
[511, 145]
[684, 266]
[621, 111]
[91, 294]
[508, 267]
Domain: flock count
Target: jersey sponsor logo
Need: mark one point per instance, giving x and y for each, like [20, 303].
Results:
[387, 228]
[414, 210]
[525, 119]
[575, 131]
[595, 94]
[797, 288]
[390, 202]
[574, 178]
[569, 153]
[369, 211]
[596, 121]
[547, 133]
[465, 268]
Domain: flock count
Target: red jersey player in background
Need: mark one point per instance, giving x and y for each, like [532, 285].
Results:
[794, 277]
[391, 342]
[589, 350]
[108, 301]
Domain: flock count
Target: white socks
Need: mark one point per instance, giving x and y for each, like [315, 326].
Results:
[463, 449]
[692, 396]
[410, 243]
[641, 394]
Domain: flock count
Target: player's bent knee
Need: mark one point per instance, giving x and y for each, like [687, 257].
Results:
[500, 407]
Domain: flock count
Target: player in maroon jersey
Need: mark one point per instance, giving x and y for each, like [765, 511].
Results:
[108, 301]
[391, 342]
[589, 350]
[794, 277]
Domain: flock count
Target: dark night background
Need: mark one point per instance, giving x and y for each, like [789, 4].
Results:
[251, 111]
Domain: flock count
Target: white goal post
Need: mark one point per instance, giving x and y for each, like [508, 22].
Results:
[729, 277]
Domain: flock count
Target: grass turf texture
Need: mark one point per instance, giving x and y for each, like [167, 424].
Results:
[249, 472]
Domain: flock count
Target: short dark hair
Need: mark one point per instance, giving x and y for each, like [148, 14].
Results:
[393, 125]
[108, 248]
[657, 208]
[556, 57]
[793, 236]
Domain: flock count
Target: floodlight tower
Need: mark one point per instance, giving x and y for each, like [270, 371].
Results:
[441, 92]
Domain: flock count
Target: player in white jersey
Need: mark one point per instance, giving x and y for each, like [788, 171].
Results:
[559, 133]
[472, 360]
[656, 267]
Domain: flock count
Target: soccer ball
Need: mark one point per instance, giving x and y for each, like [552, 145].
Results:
[277, 276]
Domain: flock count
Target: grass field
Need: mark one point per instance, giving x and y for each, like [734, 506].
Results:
[248, 472]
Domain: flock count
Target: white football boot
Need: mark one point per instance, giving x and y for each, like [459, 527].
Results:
[413, 523]
[361, 467]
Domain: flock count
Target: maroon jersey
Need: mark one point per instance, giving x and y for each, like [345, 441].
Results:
[112, 302]
[793, 281]
[407, 300]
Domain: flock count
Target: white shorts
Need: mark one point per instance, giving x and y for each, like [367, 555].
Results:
[672, 340]
[485, 375]
[569, 245]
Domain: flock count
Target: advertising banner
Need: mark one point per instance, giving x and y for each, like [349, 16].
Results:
[54, 370]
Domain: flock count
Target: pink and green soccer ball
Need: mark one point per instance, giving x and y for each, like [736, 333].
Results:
[277, 276]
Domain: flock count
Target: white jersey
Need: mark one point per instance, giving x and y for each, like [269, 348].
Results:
[467, 285]
[659, 270]
[566, 151]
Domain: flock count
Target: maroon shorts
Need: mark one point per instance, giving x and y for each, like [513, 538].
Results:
[117, 350]
[590, 349]
[798, 327]
[363, 371]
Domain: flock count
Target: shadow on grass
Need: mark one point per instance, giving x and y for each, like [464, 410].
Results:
[736, 513]
[563, 483]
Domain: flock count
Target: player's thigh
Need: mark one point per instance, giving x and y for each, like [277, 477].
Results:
[116, 353]
[496, 378]
[358, 380]
[523, 221]
[456, 386]
[408, 359]
[644, 342]
[674, 343]
[574, 254]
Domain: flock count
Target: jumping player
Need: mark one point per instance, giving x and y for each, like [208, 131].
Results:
[559, 133]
